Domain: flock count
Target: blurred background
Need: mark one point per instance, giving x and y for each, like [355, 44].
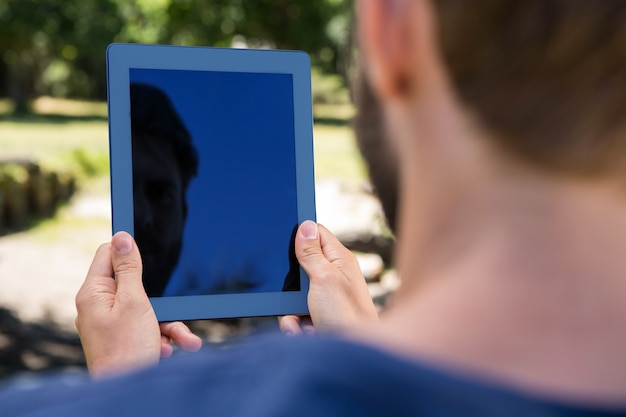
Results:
[54, 172]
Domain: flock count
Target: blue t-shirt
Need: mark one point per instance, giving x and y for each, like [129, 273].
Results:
[276, 376]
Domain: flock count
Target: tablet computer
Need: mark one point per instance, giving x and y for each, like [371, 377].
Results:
[212, 171]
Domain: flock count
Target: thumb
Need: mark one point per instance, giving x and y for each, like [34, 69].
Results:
[126, 262]
[309, 251]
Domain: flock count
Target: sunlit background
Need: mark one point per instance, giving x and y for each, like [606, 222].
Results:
[54, 173]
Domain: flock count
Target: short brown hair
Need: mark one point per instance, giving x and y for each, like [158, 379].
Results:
[546, 77]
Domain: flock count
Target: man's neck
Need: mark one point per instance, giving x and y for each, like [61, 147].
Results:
[526, 285]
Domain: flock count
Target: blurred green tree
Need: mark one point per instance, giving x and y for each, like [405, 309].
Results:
[22, 45]
[319, 27]
[57, 46]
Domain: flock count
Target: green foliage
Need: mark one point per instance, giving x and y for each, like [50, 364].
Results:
[57, 47]
[35, 34]
[14, 172]
[90, 164]
[28, 192]
[144, 20]
[328, 89]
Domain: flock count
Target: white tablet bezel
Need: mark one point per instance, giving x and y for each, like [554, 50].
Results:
[121, 58]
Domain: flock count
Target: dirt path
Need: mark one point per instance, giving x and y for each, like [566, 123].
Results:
[42, 268]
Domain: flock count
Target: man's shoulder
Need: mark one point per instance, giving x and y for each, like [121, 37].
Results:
[343, 377]
[278, 376]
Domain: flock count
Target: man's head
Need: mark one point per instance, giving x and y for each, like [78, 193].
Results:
[543, 81]
[164, 162]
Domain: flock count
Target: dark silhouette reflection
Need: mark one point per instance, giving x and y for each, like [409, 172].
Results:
[164, 162]
[292, 279]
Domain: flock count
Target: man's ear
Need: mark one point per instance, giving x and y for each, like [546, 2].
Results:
[395, 38]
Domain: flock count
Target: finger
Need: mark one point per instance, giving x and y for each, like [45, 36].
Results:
[99, 279]
[180, 334]
[126, 262]
[309, 251]
[334, 251]
[166, 347]
[307, 326]
[322, 255]
[309, 329]
[101, 264]
[289, 325]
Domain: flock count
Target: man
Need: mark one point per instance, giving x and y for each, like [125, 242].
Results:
[503, 119]
[164, 162]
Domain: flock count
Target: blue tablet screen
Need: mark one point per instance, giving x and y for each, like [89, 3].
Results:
[214, 187]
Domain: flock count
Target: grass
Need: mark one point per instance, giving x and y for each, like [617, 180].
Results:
[67, 135]
[78, 146]
[73, 135]
[336, 153]
[337, 156]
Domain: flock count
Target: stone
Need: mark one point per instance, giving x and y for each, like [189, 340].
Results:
[390, 280]
[355, 216]
[371, 265]
[382, 291]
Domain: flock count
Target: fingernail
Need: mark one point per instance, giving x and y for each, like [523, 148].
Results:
[309, 230]
[122, 244]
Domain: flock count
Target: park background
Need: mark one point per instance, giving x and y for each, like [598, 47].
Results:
[54, 172]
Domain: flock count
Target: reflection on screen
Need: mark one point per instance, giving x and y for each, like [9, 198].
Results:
[214, 186]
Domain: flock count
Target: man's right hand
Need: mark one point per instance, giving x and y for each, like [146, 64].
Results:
[338, 296]
[116, 323]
